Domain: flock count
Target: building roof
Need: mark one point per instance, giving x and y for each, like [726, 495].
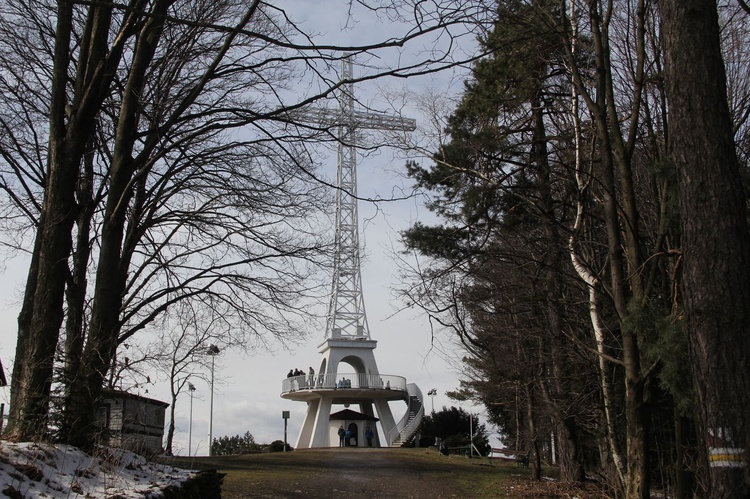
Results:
[349, 415]
[117, 394]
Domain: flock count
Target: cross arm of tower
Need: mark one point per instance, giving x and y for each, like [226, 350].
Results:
[356, 119]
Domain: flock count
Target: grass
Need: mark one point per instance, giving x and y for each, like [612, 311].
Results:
[354, 472]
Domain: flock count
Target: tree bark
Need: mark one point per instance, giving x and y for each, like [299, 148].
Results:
[716, 275]
[532, 437]
[571, 462]
[623, 245]
[42, 311]
[77, 283]
[71, 125]
[113, 263]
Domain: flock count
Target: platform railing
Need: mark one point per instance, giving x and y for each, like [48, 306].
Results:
[344, 381]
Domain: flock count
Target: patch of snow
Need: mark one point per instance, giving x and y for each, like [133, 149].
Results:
[32, 470]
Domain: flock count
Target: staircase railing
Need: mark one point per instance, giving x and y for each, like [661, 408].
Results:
[409, 424]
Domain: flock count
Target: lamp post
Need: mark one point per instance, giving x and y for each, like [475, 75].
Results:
[432, 394]
[471, 435]
[285, 415]
[213, 351]
[191, 389]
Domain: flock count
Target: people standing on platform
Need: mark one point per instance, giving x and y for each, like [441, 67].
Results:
[368, 436]
[347, 437]
[300, 380]
[312, 377]
[342, 433]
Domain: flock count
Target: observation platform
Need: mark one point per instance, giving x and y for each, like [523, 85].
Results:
[345, 388]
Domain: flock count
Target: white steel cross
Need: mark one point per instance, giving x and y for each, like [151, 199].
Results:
[346, 313]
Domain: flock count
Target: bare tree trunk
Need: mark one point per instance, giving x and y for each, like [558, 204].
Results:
[42, 312]
[71, 126]
[571, 461]
[622, 240]
[77, 283]
[591, 281]
[532, 437]
[716, 275]
[101, 345]
[170, 428]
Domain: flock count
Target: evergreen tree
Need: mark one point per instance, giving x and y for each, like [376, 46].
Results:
[454, 426]
[497, 186]
[238, 444]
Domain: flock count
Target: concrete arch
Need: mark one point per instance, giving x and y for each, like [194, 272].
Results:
[356, 362]
[365, 389]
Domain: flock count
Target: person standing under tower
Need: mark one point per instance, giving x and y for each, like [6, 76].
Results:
[342, 434]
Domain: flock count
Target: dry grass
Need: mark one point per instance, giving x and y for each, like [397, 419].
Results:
[370, 473]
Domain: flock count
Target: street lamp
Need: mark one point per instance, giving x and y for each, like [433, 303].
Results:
[191, 389]
[432, 394]
[213, 351]
[471, 435]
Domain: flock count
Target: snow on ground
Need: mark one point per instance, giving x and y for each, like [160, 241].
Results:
[31, 470]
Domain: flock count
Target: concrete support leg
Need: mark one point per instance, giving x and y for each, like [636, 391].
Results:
[386, 420]
[305, 434]
[321, 437]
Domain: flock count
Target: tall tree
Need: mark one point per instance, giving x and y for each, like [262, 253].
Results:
[716, 274]
[501, 192]
[144, 153]
[71, 123]
[503, 185]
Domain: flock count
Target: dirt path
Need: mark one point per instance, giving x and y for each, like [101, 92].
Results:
[378, 473]
[359, 473]
[350, 473]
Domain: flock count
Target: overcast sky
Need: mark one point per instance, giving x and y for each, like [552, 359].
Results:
[247, 391]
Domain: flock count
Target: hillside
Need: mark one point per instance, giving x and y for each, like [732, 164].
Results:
[365, 473]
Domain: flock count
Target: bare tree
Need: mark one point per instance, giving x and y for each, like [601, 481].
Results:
[179, 354]
[174, 170]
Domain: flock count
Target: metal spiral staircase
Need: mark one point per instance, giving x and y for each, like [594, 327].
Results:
[407, 428]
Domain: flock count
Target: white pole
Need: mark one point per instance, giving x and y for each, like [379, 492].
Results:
[211, 411]
[213, 351]
[471, 435]
[190, 427]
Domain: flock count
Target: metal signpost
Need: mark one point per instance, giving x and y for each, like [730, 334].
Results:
[285, 415]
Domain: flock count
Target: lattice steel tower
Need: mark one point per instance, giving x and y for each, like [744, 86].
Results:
[347, 336]
[346, 314]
